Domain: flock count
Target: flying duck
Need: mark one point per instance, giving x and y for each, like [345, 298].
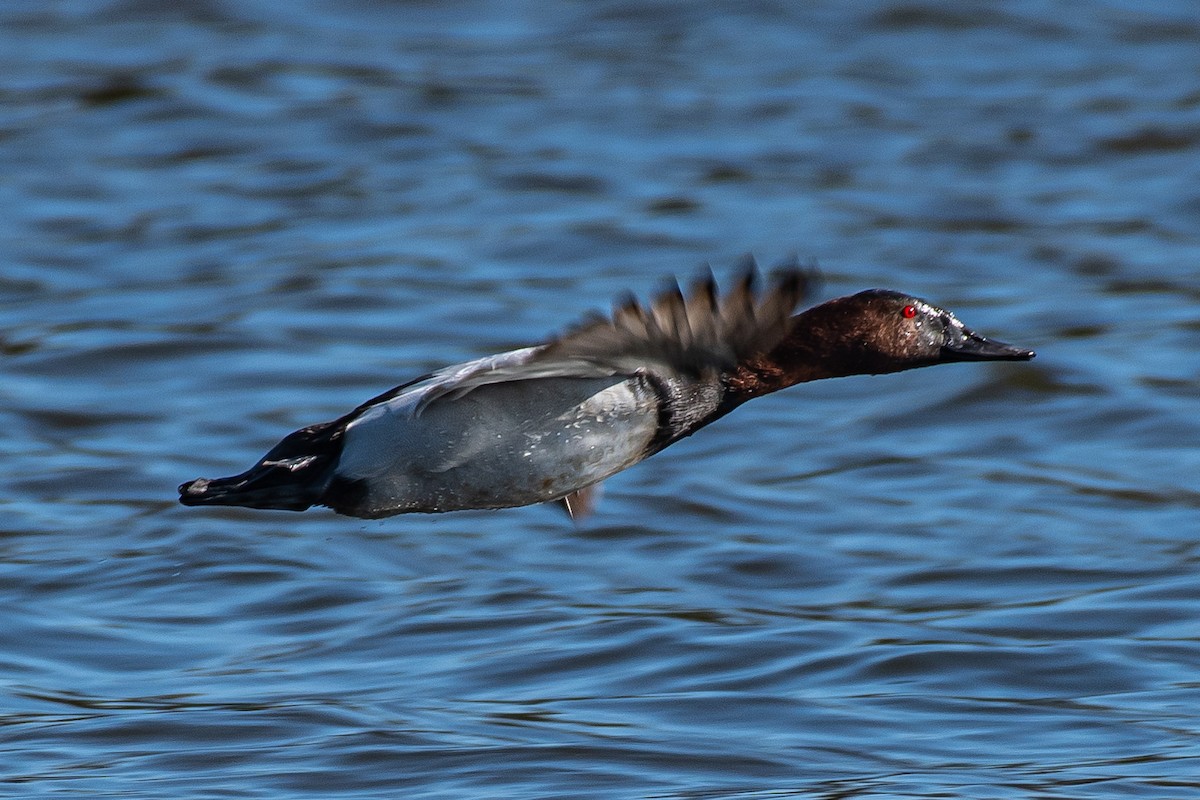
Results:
[550, 422]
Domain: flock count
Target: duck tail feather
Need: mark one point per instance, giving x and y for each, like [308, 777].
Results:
[292, 477]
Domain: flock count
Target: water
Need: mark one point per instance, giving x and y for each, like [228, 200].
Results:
[224, 221]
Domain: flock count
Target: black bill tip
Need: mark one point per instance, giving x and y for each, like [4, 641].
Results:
[970, 346]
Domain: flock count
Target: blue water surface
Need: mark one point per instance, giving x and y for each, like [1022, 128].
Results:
[223, 221]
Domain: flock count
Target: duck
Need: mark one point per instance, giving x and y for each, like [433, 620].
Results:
[549, 423]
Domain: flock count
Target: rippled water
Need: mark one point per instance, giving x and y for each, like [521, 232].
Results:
[224, 221]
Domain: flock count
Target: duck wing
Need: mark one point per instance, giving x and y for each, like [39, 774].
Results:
[687, 335]
[580, 503]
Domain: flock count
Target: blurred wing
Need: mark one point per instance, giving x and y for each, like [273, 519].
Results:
[580, 503]
[691, 335]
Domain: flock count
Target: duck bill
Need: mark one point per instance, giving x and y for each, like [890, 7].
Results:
[966, 345]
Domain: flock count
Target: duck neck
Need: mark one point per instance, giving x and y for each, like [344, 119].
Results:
[817, 346]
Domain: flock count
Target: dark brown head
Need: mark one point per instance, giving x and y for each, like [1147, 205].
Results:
[879, 331]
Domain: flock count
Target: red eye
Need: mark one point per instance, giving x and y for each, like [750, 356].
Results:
[909, 312]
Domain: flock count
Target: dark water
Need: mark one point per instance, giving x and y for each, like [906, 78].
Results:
[225, 220]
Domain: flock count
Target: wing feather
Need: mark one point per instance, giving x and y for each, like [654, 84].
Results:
[692, 335]
[687, 334]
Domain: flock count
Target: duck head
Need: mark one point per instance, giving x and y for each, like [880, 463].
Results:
[880, 331]
[923, 332]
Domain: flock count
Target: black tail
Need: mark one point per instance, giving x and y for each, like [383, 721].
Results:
[292, 477]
